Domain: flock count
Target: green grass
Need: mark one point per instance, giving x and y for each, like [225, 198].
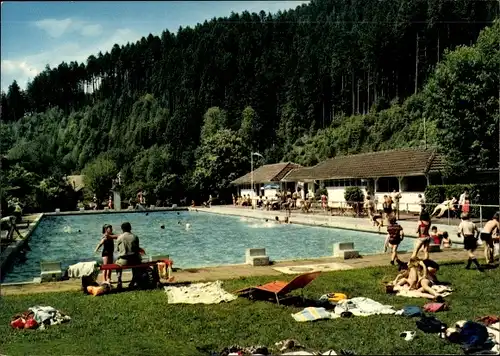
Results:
[143, 323]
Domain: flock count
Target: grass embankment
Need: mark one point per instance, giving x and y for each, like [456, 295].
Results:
[142, 322]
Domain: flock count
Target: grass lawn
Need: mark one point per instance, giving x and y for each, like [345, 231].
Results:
[142, 322]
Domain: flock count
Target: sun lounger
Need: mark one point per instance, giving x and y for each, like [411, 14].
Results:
[281, 288]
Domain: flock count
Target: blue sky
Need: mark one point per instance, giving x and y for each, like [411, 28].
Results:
[38, 33]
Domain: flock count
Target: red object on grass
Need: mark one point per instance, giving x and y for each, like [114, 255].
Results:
[281, 288]
[31, 324]
[18, 323]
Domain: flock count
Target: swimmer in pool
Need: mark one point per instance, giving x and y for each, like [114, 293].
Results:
[188, 225]
[162, 227]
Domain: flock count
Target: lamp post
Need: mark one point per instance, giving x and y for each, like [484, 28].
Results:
[251, 168]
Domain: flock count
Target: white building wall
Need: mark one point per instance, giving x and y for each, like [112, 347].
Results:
[246, 192]
[271, 193]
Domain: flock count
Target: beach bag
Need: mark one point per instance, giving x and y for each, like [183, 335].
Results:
[435, 307]
[430, 325]
[145, 278]
[412, 311]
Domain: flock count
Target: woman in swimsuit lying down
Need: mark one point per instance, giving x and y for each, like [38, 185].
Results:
[416, 277]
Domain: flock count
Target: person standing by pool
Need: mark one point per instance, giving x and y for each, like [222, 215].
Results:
[108, 246]
[492, 226]
[396, 197]
[424, 238]
[469, 231]
[395, 235]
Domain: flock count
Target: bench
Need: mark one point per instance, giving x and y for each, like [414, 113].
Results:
[115, 267]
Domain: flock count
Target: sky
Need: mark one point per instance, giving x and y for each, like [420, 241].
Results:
[34, 34]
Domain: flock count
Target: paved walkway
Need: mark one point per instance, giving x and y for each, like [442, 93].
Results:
[236, 271]
[341, 222]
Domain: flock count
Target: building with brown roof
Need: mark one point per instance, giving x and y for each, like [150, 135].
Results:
[268, 176]
[408, 171]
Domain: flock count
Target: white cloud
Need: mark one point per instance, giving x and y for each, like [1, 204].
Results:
[25, 68]
[57, 28]
[91, 30]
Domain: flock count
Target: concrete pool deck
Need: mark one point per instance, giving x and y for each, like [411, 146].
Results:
[339, 222]
[234, 272]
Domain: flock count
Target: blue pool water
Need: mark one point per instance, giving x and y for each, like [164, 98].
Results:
[211, 239]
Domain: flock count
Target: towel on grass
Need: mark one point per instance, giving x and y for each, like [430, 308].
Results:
[204, 293]
[361, 306]
[312, 314]
[48, 316]
[406, 292]
[83, 269]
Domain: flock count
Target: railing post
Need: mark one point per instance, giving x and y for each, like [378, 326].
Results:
[481, 215]
[407, 209]
[448, 211]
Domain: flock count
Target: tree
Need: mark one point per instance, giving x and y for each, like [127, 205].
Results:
[462, 98]
[98, 176]
[221, 159]
[250, 127]
[214, 120]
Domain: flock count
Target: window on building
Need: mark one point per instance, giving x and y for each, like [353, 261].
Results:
[415, 184]
[387, 184]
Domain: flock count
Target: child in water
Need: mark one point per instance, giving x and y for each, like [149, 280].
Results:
[107, 250]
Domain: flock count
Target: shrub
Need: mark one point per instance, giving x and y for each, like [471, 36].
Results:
[320, 192]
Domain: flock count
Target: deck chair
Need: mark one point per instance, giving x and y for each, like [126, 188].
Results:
[281, 288]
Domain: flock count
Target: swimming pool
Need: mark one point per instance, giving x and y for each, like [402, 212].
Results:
[211, 240]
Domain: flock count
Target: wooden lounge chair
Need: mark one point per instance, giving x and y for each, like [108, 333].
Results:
[281, 288]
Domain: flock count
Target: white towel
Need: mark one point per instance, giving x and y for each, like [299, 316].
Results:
[363, 307]
[48, 315]
[204, 293]
[83, 269]
[406, 292]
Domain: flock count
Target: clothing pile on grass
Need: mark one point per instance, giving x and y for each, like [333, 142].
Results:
[345, 308]
[198, 293]
[39, 317]
[287, 347]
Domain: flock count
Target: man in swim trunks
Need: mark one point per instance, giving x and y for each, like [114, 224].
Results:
[469, 231]
[491, 227]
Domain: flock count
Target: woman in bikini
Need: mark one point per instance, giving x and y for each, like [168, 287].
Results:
[108, 247]
[424, 238]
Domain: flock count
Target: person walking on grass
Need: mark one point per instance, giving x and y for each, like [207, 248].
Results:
[491, 227]
[395, 235]
[468, 230]
[424, 238]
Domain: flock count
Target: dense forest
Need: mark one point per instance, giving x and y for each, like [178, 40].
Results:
[178, 114]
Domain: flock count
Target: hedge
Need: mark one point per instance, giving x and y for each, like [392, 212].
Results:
[484, 194]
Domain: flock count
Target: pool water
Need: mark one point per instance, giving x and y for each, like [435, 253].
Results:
[210, 240]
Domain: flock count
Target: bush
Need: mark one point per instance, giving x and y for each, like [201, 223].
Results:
[353, 195]
[484, 194]
[320, 192]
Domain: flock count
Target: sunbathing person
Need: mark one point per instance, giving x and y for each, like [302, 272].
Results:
[417, 278]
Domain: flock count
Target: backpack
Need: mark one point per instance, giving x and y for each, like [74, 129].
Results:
[431, 325]
[146, 278]
[473, 334]
[412, 311]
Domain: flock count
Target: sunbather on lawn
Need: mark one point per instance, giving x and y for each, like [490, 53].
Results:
[416, 277]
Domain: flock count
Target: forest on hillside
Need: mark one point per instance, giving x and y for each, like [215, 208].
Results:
[179, 114]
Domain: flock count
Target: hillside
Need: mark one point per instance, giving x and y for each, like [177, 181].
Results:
[178, 114]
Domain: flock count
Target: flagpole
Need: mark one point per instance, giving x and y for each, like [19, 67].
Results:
[251, 172]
